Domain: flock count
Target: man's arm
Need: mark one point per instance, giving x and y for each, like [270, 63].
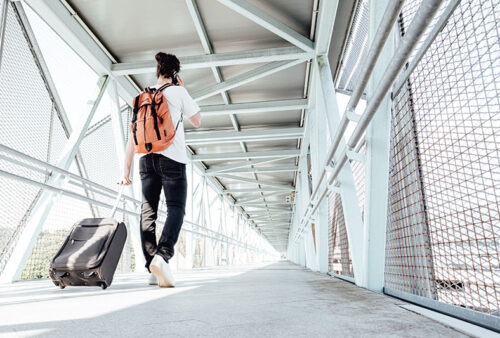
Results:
[195, 120]
[129, 156]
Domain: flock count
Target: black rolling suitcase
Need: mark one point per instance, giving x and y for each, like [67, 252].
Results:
[90, 253]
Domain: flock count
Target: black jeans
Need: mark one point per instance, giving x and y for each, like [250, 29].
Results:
[159, 171]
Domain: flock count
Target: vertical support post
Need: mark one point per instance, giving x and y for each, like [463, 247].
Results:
[304, 195]
[377, 164]
[350, 203]
[320, 128]
[311, 254]
[27, 239]
[119, 137]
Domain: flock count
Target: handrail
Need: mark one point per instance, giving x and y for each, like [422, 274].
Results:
[209, 233]
[53, 168]
[417, 28]
[386, 24]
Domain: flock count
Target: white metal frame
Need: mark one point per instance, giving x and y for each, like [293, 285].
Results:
[318, 173]
[267, 21]
[61, 17]
[367, 239]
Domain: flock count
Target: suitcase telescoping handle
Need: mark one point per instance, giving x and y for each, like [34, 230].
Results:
[117, 201]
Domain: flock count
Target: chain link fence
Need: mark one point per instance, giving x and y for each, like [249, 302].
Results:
[443, 235]
[29, 125]
[339, 256]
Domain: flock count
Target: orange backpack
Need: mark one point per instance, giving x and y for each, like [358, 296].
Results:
[152, 126]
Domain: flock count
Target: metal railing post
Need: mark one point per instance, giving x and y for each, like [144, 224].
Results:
[377, 168]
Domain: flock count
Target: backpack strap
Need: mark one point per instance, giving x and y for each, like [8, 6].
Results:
[178, 122]
[134, 117]
[165, 86]
[153, 108]
[155, 117]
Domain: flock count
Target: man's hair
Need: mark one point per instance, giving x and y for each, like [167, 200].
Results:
[168, 64]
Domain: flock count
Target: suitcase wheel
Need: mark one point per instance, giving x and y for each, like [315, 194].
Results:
[61, 286]
[104, 286]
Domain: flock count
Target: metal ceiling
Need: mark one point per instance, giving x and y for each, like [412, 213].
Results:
[245, 62]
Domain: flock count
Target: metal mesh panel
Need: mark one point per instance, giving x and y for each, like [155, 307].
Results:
[100, 158]
[355, 49]
[408, 257]
[19, 75]
[64, 213]
[339, 256]
[444, 230]
[126, 117]
[127, 258]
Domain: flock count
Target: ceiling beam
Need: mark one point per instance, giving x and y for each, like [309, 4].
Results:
[271, 229]
[66, 23]
[254, 107]
[244, 78]
[268, 212]
[264, 169]
[273, 225]
[233, 167]
[324, 28]
[210, 137]
[254, 198]
[208, 49]
[216, 60]
[256, 190]
[250, 154]
[251, 180]
[271, 217]
[270, 23]
[261, 204]
[258, 219]
[265, 209]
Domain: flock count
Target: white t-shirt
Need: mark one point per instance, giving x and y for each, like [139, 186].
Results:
[180, 103]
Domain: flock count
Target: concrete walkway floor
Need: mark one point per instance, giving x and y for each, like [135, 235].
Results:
[266, 300]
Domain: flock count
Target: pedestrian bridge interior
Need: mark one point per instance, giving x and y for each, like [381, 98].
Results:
[343, 182]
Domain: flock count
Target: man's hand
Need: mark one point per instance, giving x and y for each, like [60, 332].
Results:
[179, 81]
[125, 180]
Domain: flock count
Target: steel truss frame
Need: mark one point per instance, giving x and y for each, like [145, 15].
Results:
[60, 17]
[328, 173]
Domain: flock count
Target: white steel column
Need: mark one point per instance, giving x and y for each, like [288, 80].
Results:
[320, 132]
[350, 203]
[377, 164]
[119, 136]
[27, 239]
[315, 144]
